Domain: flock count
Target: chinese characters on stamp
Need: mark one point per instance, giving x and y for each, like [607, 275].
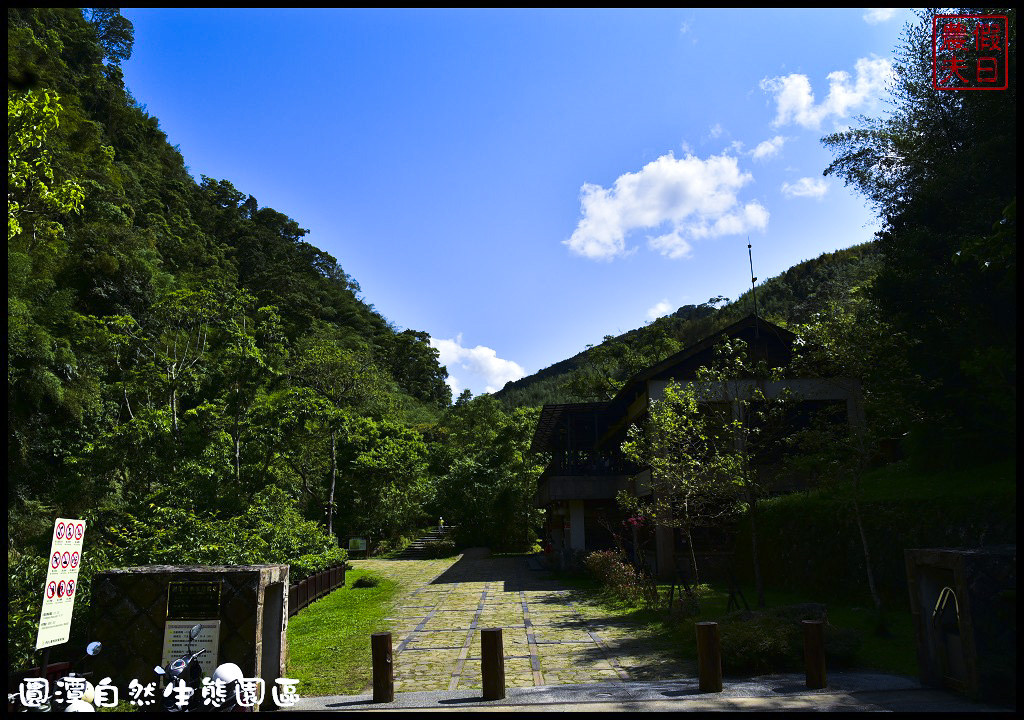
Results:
[969, 52]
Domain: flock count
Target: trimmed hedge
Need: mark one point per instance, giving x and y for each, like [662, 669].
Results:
[810, 540]
[770, 641]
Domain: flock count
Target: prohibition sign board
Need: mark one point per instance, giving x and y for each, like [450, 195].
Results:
[61, 582]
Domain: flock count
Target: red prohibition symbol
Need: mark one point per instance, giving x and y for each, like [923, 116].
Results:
[51, 588]
[74, 559]
[65, 559]
[60, 589]
[60, 531]
[79, 531]
[71, 588]
[55, 560]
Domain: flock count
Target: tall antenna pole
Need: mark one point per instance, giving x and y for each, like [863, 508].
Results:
[753, 289]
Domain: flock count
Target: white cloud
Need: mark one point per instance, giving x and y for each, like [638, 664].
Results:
[795, 100]
[686, 198]
[475, 366]
[874, 16]
[672, 245]
[805, 187]
[716, 130]
[768, 148]
[658, 309]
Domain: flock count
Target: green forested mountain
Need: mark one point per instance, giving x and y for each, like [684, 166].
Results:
[185, 372]
[139, 298]
[789, 299]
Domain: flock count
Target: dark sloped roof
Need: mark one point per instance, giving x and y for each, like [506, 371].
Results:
[552, 416]
[609, 416]
[751, 322]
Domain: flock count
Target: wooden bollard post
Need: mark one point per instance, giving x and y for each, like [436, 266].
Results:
[383, 668]
[492, 663]
[814, 653]
[709, 657]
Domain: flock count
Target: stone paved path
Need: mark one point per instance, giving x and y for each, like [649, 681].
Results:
[550, 636]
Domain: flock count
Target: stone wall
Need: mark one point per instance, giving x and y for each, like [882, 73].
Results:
[129, 608]
[982, 614]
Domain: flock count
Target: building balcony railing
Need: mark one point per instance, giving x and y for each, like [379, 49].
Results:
[589, 464]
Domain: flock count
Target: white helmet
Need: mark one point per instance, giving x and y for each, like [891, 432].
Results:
[79, 706]
[90, 692]
[228, 673]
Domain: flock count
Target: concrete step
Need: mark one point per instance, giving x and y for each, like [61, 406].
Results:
[417, 549]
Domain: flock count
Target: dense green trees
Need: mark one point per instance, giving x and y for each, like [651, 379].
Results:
[177, 351]
[487, 475]
[940, 169]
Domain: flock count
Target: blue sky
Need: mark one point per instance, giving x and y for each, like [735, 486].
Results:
[520, 183]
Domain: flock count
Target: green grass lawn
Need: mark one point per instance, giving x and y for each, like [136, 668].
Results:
[329, 642]
[894, 653]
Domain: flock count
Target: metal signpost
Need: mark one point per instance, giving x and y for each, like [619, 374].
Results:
[61, 584]
[61, 587]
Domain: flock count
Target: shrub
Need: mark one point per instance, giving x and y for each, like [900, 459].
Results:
[366, 581]
[393, 545]
[271, 530]
[26, 577]
[439, 548]
[759, 645]
[767, 641]
[621, 578]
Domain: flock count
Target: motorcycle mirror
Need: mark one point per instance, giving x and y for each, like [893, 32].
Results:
[194, 632]
[94, 648]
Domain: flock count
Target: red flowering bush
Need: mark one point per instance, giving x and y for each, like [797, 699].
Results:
[621, 578]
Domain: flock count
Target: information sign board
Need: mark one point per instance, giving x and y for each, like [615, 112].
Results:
[193, 600]
[61, 583]
[176, 642]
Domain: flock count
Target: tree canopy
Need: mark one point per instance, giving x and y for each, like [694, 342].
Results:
[940, 169]
[177, 350]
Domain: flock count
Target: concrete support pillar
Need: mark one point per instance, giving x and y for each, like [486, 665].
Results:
[577, 528]
[664, 546]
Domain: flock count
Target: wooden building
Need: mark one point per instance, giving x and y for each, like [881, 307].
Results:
[587, 470]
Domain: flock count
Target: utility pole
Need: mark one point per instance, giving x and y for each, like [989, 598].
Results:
[753, 289]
